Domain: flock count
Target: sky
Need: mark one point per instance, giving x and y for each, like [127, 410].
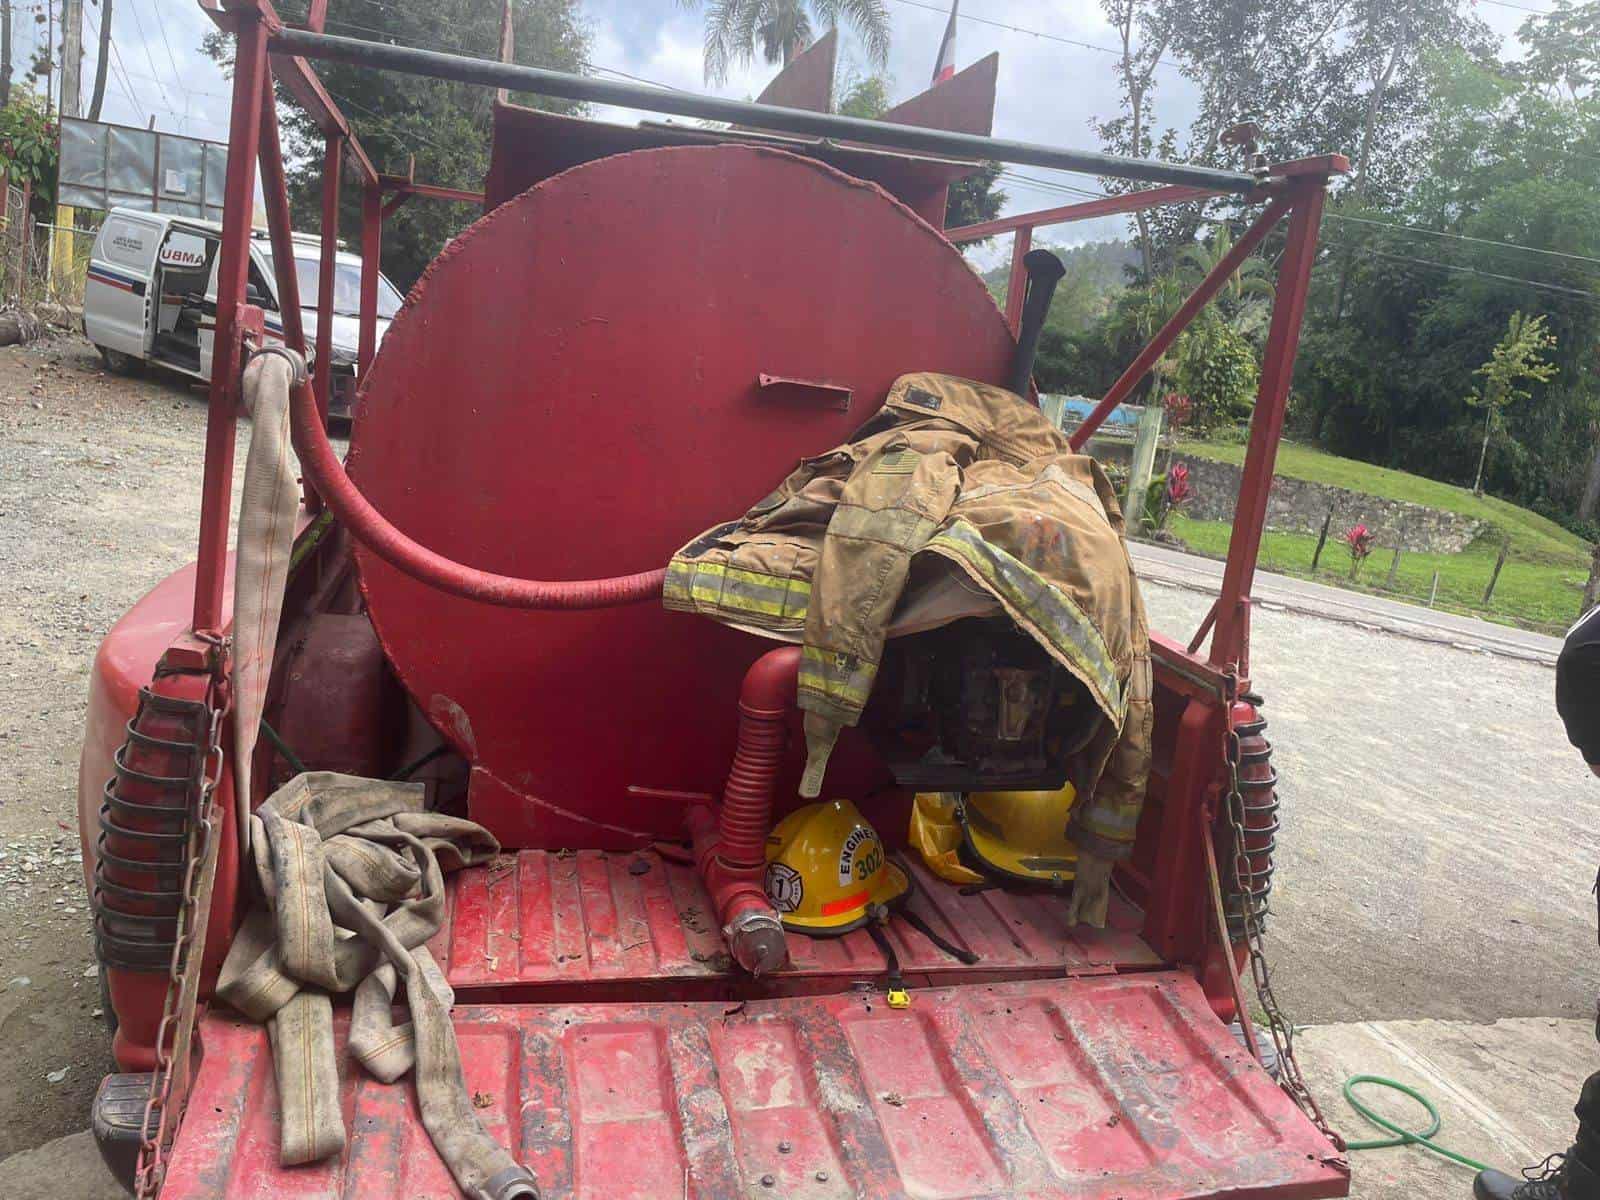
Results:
[1053, 79]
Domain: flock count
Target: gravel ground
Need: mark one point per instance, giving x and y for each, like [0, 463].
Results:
[99, 499]
[1438, 840]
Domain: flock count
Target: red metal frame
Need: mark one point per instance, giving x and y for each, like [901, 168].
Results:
[1298, 194]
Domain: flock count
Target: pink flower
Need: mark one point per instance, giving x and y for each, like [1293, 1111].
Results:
[1359, 539]
[1179, 490]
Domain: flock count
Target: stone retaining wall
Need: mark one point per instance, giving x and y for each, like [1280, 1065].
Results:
[1297, 506]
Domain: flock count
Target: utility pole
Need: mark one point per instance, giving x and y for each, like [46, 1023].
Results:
[71, 58]
[62, 248]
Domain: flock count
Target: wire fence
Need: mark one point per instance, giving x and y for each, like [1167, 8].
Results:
[40, 263]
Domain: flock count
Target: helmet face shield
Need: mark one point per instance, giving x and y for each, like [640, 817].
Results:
[1020, 835]
[826, 870]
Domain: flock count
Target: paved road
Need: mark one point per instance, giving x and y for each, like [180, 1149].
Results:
[1164, 565]
[1440, 836]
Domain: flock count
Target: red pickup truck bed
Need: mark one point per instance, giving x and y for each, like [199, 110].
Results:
[1062, 1064]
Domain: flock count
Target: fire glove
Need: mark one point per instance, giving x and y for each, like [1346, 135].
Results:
[1091, 891]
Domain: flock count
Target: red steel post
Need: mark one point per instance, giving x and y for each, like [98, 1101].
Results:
[275, 192]
[371, 250]
[1228, 644]
[332, 163]
[1157, 346]
[1017, 288]
[238, 203]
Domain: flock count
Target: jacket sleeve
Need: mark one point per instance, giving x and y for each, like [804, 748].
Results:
[891, 505]
[1106, 823]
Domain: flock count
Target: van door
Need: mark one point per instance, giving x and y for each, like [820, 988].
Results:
[178, 301]
[116, 303]
[256, 282]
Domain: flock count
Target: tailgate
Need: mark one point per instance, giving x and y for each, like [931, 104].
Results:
[1121, 1086]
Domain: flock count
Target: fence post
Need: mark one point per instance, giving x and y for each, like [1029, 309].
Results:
[1394, 565]
[1322, 539]
[1494, 575]
[1145, 438]
[1433, 592]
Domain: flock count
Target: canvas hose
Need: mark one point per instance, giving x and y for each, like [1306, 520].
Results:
[351, 871]
[354, 872]
[268, 503]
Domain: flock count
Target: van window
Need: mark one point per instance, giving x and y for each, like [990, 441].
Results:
[346, 288]
[128, 243]
[259, 282]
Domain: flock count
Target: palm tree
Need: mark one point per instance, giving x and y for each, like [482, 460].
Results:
[1247, 295]
[783, 28]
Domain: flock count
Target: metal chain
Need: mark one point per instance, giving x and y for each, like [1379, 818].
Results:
[161, 1113]
[1290, 1076]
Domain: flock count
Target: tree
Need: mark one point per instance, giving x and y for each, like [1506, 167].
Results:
[101, 60]
[28, 145]
[445, 125]
[1145, 29]
[783, 28]
[1517, 358]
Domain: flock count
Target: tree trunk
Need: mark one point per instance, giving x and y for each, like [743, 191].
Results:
[1483, 453]
[5, 53]
[100, 62]
[1593, 585]
[1591, 487]
[1380, 86]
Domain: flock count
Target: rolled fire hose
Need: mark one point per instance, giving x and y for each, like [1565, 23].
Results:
[361, 856]
[337, 851]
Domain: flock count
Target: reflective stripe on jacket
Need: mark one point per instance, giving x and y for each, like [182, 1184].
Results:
[950, 477]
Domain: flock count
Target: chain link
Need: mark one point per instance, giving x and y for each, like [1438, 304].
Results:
[1250, 913]
[161, 1113]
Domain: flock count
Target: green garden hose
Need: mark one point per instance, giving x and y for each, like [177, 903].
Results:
[1402, 1137]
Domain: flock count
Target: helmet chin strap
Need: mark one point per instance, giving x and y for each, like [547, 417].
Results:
[895, 984]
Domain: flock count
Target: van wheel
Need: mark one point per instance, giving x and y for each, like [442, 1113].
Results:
[119, 363]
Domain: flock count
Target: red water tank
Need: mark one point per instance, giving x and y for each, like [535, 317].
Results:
[575, 390]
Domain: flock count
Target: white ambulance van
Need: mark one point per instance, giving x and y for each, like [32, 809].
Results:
[151, 296]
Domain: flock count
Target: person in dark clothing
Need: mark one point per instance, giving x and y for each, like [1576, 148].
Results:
[1574, 1175]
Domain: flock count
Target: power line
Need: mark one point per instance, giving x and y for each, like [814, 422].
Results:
[144, 42]
[120, 75]
[1462, 237]
[1537, 284]
[161, 28]
[1038, 33]
[1538, 12]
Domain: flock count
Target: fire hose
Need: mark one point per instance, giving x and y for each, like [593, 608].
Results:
[368, 526]
[335, 852]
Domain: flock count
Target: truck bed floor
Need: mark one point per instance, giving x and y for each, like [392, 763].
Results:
[1121, 1086]
[547, 925]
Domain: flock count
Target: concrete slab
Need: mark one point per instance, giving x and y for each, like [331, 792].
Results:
[1504, 1091]
[66, 1167]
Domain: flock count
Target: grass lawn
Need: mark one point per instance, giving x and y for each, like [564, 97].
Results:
[1534, 539]
[1540, 595]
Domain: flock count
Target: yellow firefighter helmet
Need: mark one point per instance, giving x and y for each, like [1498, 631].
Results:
[1020, 835]
[827, 872]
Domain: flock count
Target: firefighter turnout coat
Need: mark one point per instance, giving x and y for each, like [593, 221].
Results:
[955, 499]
